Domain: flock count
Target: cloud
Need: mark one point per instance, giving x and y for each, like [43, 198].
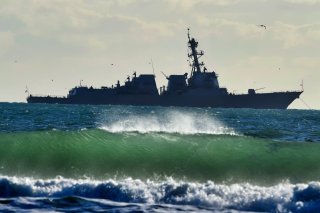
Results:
[7, 41]
[306, 62]
[83, 23]
[222, 27]
[296, 35]
[190, 4]
[308, 2]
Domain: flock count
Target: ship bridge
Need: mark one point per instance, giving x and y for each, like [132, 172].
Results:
[204, 80]
[200, 77]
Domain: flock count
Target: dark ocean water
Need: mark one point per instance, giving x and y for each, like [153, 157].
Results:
[155, 159]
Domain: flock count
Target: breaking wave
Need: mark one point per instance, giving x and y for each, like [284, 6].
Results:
[101, 154]
[283, 197]
[168, 122]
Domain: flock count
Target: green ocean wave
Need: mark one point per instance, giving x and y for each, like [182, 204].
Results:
[100, 154]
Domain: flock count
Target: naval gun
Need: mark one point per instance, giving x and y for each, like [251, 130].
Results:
[253, 91]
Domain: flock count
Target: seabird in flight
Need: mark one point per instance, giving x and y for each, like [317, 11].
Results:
[262, 25]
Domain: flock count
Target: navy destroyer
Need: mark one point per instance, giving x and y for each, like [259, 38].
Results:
[200, 89]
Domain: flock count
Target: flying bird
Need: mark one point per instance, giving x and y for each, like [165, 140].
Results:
[262, 25]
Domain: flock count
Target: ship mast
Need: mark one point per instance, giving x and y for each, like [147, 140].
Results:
[194, 55]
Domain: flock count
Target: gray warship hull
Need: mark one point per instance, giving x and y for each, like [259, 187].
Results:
[276, 100]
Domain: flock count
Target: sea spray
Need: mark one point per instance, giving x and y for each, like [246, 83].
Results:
[280, 125]
[168, 122]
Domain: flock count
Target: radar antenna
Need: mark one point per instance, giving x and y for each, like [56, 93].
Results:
[151, 62]
[164, 75]
[194, 55]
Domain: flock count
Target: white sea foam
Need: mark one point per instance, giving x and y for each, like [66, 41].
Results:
[168, 122]
[283, 197]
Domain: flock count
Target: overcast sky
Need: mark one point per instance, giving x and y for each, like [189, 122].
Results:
[50, 45]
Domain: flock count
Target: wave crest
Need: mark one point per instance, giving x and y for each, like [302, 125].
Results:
[169, 122]
[283, 197]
